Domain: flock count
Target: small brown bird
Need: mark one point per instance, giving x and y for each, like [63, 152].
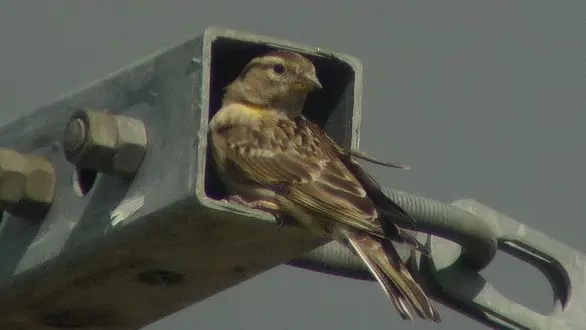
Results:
[270, 157]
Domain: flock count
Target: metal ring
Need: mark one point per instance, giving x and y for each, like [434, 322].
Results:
[476, 236]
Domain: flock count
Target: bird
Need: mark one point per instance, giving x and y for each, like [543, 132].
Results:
[272, 158]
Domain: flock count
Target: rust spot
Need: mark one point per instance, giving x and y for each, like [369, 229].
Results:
[77, 318]
[160, 277]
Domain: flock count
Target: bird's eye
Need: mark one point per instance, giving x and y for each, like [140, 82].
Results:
[278, 68]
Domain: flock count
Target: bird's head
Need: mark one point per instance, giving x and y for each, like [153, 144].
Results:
[276, 80]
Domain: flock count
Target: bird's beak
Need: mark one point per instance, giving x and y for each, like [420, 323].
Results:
[314, 82]
[311, 82]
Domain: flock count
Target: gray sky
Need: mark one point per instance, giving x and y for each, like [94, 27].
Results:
[484, 98]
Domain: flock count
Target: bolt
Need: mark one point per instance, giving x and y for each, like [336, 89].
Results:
[75, 136]
[27, 184]
[100, 141]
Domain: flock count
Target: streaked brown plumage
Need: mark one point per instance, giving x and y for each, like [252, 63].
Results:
[272, 158]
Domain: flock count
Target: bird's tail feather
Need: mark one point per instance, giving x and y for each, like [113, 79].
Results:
[392, 275]
[402, 236]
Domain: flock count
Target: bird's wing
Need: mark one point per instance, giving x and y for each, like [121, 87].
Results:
[290, 153]
[387, 208]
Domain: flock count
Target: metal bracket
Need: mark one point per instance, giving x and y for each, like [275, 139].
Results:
[451, 275]
[133, 232]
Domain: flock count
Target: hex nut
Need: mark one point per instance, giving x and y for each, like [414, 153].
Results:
[90, 140]
[111, 144]
[12, 178]
[131, 147]
[39, 188]
[27, 184]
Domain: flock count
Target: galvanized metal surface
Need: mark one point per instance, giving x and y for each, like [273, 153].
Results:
[452, 277]
[122, 253]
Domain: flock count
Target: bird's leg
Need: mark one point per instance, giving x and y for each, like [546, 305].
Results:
[280, 219]
[264, 205]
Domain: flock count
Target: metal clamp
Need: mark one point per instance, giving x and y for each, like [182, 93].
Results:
[463, 289]
[463, 238]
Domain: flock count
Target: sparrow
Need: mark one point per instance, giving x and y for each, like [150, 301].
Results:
[272, 158]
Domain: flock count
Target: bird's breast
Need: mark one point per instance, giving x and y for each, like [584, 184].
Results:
[243, 114]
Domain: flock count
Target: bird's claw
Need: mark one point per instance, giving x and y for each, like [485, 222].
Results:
[279, 219]
[261, 205]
